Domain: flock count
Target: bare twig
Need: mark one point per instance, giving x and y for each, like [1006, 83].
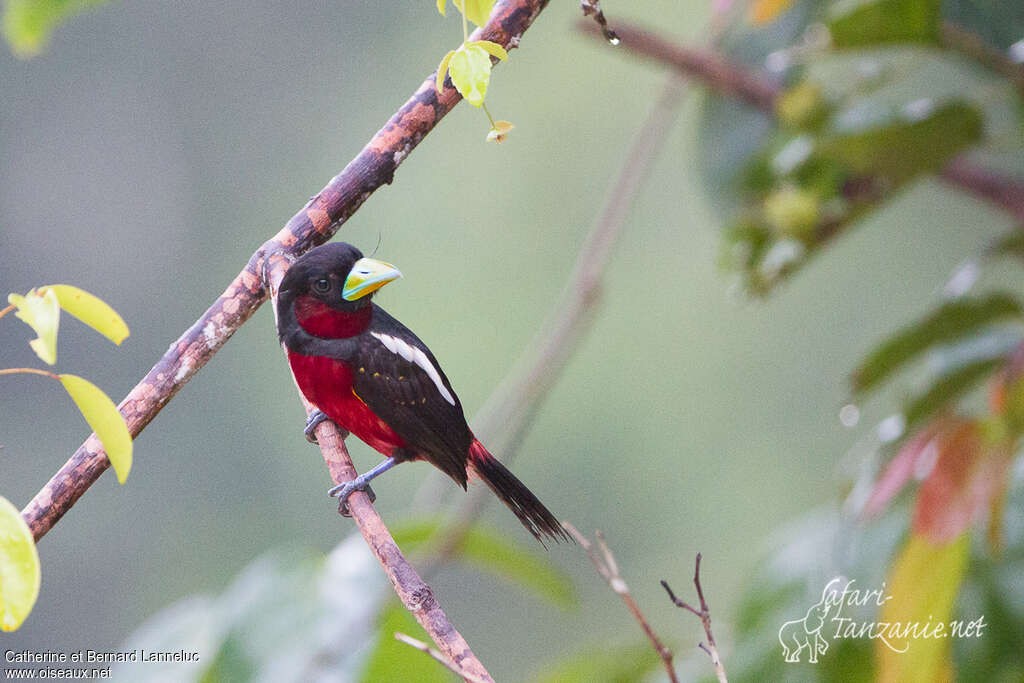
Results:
[705, 618]
[423, 647]
[593, 8]
[608, 568]
[701, 64]
[761, 91]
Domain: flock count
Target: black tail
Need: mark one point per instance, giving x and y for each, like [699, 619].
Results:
[537, 519]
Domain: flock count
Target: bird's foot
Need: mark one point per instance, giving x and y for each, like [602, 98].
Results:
[343, 491]
[313, 421]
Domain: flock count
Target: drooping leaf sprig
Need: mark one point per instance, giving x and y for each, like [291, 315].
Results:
[40, 309]
[469, 65]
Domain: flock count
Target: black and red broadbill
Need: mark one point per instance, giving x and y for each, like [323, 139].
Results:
[374, 378]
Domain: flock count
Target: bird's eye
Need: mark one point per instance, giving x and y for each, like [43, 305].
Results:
[322, 286]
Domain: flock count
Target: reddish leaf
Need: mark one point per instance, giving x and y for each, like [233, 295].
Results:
[960, 486]
[914, 453]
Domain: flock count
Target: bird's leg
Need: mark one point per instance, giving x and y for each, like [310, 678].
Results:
[360, 483]
[313, 421]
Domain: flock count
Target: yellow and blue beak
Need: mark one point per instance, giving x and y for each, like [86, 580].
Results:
[367, 276]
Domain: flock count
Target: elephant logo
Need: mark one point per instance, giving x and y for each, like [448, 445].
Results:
[800, 634]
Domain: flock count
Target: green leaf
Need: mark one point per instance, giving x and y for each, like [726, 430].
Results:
[792, 211]
[441, 7]
[470, 71]
[491, 48]
[953, 320]
[289, 616]
[1011, 244]
[41, 312]
[28, 24]
[19, 568]
[442, 70]
[895, 146]
[488, 551]
[92, 311]
[947, 389]
[392, 660]
[622, 664]
[477, 11]
[922, 586]
[859, 23]
[105, 419]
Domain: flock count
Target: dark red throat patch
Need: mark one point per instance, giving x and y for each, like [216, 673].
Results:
[321, 320]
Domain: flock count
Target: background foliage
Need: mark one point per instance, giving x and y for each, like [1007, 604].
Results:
[147, 168]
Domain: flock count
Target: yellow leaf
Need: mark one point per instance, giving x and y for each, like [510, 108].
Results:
[766, 11]
[922, 586]
[477, 11]
[440, 6]
[470, 71]
[105, 419]
[41, 312]
[92, 311]
[19, 568]
[491, 48]
[499, 132]
[442, 70]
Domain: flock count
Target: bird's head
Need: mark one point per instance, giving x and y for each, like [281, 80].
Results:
[337, 275]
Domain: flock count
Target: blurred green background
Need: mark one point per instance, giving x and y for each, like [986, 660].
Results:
[155, 145]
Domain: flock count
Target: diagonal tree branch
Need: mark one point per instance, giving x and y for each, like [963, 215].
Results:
[414, 593]
[760, 90]
[316, 223]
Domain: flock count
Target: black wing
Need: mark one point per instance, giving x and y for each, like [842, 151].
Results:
[396, 375]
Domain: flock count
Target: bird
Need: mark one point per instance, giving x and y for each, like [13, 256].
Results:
[369, 374]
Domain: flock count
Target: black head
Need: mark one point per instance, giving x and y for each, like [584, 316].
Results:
[338, 275]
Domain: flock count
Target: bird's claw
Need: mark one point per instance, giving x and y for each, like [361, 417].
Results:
[343, 491]
[313, 421]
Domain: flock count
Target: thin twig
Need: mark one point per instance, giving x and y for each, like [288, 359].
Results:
[423, 647]
[704, 65]
[33, 371]
[609, 570]
[704, 614]
[593, 8]
[761, 90]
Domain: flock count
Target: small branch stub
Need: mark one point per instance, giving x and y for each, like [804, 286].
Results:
[593, 8]
[704, 614]
[423, 647]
